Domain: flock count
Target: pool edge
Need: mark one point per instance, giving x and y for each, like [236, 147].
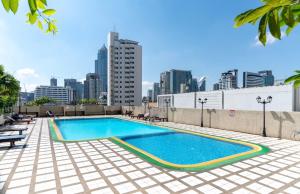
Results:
[257, 150]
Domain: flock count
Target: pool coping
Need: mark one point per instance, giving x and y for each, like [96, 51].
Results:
[257, 149]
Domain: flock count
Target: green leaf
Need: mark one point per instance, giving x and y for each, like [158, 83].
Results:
[40, 25]
[251, 15]
[292, 78]
[5, 4]
[40, 5]
[32, 18]
[263, 29]
[32, 6]
[274, 24]
[44, 2]
[297, 84]
[288, 17]
[49, 12]
[14, 4]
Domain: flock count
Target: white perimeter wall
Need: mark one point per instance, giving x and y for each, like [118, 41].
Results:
[214, 99]
[284, 99]
[245, 99]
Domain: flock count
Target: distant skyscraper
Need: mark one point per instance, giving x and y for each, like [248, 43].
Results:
[101, 68]
[92, 86]
[229, 80]
[268, 77]
[216, 86]
[156, 91]
[202, 84]
[124, 71]
[76, 86]
[165, 83]
[194, 85]
[252, 80]
[176, 81]
[53, 82]
[149, 95]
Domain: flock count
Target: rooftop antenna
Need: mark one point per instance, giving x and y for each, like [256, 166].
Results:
[114, 28]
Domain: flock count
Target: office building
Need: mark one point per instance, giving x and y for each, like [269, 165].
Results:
[229, 80]
[268, 77]
[176, 81]
[92, 86]
[156, 91]
[77, 88]
[216, 86]
[149, 95]
[61, 95]
[101, 68]
[124, 71]
[165, 83]
[202, 84]
[252, 80]
[53, 82]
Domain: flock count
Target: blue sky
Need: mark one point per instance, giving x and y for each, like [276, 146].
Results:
[193, 35]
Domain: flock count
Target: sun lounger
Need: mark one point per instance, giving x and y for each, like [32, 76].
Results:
[49, 113]
[11, 138]
[13, 128]
[11, 120]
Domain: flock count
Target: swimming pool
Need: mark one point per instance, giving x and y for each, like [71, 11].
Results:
[82, 129]
[170, 148]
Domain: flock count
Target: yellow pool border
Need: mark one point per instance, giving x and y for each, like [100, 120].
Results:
[257, 149]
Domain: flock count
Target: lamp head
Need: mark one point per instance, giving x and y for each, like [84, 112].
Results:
[258, 99]
[269, 99]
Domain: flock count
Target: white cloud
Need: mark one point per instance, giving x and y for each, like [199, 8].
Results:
[270, 39]
[146, 86]
[26, 73]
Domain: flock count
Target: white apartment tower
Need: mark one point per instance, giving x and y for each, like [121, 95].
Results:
[124, 71]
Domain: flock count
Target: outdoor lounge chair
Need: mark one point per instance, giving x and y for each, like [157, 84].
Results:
[11, 120]
[11, 138]
[13, 128]
[49, 113]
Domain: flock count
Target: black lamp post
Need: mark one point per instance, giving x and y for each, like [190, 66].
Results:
[202, 101]
[167, 101]
[264, 102]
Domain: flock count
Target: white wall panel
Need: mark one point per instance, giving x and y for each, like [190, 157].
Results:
[245, 99]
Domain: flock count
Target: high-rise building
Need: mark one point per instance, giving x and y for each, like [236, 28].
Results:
[165, 83]
[149, 95]
[216, 86]
[76, 86]
[26, 97]
[202, 84]
[252, 80]
[156, 91]
[101, 68]
[194, 85]
[229, 80]
[176, 81]
[53, 82]
[92, 86]
[124, 71]
[59, 94]
[268, 77]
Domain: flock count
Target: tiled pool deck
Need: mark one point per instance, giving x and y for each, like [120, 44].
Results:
[103, 167]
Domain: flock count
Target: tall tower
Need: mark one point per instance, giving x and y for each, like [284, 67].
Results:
[53, 82]
[124, 71]
[101, 68]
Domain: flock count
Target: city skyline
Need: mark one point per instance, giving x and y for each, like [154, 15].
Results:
[202, 48]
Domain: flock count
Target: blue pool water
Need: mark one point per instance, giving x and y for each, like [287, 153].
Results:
[80, 129]
[183, 148]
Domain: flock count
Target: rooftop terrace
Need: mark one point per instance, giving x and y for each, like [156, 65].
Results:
[45, 166]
